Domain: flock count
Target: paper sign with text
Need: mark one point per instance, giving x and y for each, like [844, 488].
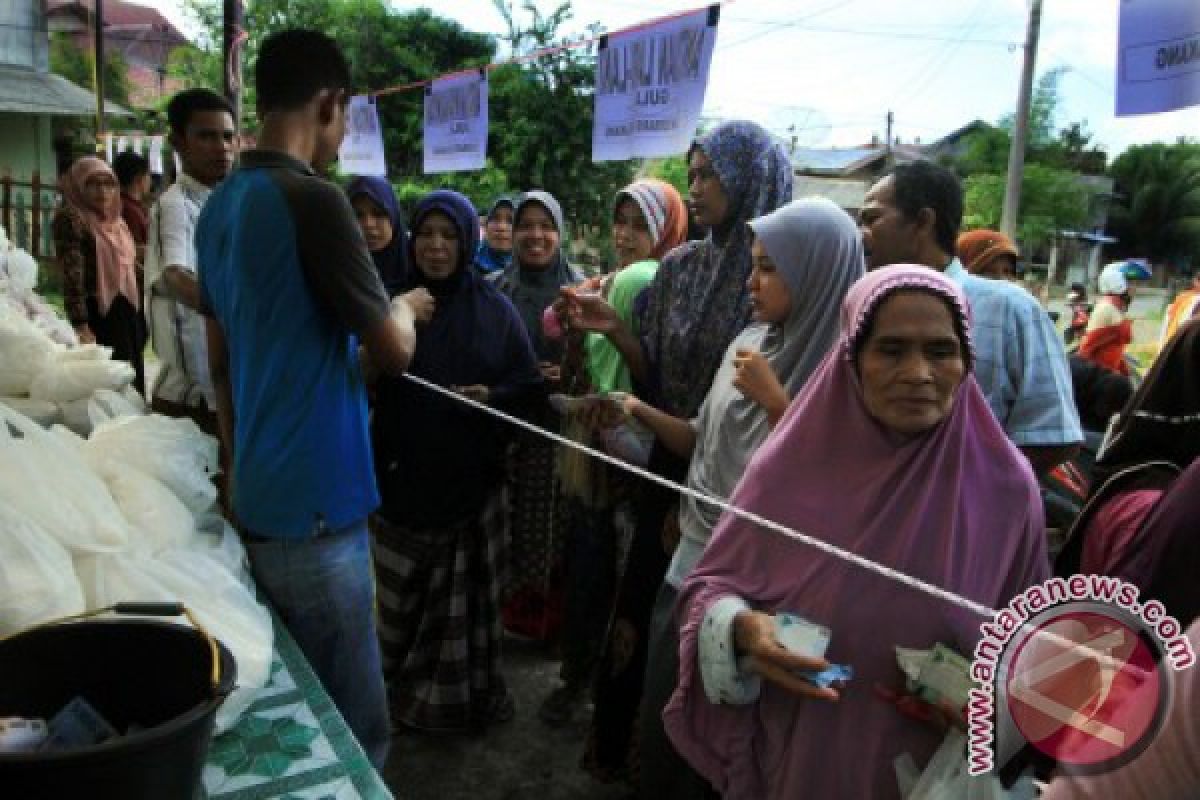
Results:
[650, 85]
[361, 152]
[1158, 56]
[456, 123]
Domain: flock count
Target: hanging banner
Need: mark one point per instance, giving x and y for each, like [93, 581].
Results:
[361, 152]
[456, 123]
[122, 144]
[1158, 59]
[650, 86]
[108, 147]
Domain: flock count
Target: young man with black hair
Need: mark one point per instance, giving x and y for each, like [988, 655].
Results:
[912, 216]
[203, 135]
[133, 174]
[290, 291]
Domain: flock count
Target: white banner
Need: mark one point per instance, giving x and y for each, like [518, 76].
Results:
[650, 87]
[361, 152]
[1158, 60]
[456, 123]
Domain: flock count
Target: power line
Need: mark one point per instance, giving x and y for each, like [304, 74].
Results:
[782, 25]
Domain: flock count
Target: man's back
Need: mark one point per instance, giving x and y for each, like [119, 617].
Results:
[1021, 364]
[282, 271]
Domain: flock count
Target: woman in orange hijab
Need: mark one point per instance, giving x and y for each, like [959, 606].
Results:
[97, 256]
[989, 254]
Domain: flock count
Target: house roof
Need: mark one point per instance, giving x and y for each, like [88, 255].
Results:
[835, 160]
[123, 16]
[27, 91]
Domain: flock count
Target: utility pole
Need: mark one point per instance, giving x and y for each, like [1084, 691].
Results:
[887, 140]
[98, 74]
[233, 38]
[1016, 154]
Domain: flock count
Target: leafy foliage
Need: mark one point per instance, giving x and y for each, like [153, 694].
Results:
[1051, 199]
[78, 66]
[540, 109]
[1157, 211]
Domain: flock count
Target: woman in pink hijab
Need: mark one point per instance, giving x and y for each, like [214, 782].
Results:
[889, 451]
[97, 256]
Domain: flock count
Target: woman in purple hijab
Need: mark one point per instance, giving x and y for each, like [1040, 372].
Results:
[889, 451]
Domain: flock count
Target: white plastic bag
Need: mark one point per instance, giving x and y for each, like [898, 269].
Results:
[175, 451]
[76, 379]
[222, 604]
[106, 404]
[75, 416]
[216, 538]
[159, 520]
[43, 412]
[24, 352]
[85, 352]
[21, 271]
[946, 778]
[45, 479]
[37, 579]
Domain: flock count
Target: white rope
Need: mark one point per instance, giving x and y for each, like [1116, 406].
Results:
[825, 547]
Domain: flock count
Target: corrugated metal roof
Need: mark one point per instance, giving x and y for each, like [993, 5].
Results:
[27, 91]
[834, 160]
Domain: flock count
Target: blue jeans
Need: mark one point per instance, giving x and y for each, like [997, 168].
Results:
[322, 589]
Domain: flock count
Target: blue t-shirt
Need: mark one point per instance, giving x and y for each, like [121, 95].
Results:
[285, 271]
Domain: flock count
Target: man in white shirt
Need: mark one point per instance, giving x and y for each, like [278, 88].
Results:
[204, 137]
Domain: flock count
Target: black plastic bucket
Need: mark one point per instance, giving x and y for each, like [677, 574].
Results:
[156, 676]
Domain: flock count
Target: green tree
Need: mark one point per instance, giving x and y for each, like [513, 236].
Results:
[385, 48]
[1157, 209]
[78, 66]
[541, 127]
[1051, 199]
[673, 170]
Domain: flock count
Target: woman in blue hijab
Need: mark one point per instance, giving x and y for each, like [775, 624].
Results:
[440, 467]
[495, 250]
[378, 213]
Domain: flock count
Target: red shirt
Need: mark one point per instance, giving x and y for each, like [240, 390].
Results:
[136, 217]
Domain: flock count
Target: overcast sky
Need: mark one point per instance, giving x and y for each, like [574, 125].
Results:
[833, 68]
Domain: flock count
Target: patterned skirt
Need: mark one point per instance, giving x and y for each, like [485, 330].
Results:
[439, 618]
[533, 596]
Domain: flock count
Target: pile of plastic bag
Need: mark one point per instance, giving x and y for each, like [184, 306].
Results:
[55, 383]
[18, 279]
[126, 515]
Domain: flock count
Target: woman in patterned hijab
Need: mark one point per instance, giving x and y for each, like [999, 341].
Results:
[695, 307]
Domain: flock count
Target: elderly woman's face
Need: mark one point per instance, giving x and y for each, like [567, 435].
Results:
[435, 246]
[911, 363]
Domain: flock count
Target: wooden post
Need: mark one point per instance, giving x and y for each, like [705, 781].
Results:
[233, 39]
[35, 238]
[6, 201]
[99, 76]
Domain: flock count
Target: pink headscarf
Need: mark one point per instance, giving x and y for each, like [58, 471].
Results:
[957, 507]
[116, 254]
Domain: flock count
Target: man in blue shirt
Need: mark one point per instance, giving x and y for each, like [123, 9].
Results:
[912, 216]
[289, 291]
